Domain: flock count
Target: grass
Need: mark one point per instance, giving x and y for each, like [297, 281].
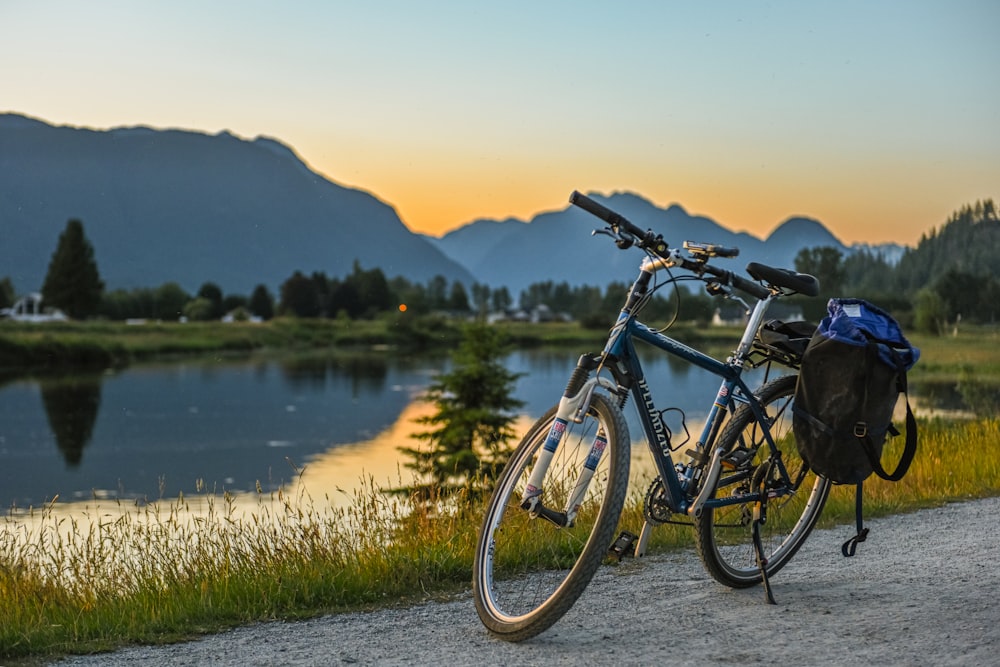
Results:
[107, 344]
[170, 570]
[127, 574]
[65, 345]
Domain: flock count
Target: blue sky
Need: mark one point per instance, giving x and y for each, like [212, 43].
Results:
[878, 118]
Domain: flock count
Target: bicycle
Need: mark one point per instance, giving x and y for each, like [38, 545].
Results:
[742, 486]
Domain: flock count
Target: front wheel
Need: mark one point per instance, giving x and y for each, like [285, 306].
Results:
[725, 537]
[528, 570]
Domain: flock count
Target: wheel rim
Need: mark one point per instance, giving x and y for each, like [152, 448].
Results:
[527, 564]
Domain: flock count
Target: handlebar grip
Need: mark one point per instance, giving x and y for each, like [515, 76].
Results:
[723, 251]
[602, 212]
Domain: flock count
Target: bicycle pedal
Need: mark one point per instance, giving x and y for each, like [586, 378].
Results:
[737, 458]
[623, 546]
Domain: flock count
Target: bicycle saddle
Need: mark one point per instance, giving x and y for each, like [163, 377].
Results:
[803, 283]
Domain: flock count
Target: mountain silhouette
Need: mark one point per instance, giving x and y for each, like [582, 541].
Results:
[558, 246]
[173, 205]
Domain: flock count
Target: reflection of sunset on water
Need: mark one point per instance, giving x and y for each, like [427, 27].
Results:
[339, 471]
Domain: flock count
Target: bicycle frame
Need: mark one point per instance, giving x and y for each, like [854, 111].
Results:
[620, 358]
[621, 349]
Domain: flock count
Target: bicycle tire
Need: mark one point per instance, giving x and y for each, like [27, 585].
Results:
[527, 571]
[724, 534]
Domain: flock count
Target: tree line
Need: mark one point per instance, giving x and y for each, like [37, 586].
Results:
[950, 276]
[73, 284]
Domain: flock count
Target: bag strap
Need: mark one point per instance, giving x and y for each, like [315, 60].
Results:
[851, 545]
[910, 447]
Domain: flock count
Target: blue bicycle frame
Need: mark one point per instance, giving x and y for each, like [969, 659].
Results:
[620, 356]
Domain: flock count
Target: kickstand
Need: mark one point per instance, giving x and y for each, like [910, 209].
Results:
[758, 519]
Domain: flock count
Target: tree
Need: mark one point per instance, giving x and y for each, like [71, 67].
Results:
[472, 424]
[458, 299]
[300, 297]
[7, 294]
[213, 294]
[930, 312]
[437, 297]
[502, 300]
[169, 301]
[261, 303]
[73, 283]
[825, 264]
[199, 309]
[374, 294]
[481, 298]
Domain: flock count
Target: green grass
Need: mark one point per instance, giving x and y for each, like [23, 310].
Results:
[103, 344]
[173, 570]
[67, 345]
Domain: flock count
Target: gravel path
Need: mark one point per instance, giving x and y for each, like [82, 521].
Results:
[923, 590]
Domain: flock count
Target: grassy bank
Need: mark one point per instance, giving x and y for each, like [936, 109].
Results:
[67, 345]
[104, 344]
[172, 570]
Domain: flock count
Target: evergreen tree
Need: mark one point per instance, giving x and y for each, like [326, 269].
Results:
[472, 425]
[825, 263]
[458, 299]
[502, 300]
[73, 283]
[437, 297]
[481, 298]
[300, 297]
[262, 303]
[373, 291]
[7, 294]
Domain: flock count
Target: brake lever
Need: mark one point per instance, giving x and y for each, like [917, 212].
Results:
[623, 241]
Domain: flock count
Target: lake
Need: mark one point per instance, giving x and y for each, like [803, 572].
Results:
[158, 430]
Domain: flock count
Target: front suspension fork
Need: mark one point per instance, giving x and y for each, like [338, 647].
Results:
[573, 407]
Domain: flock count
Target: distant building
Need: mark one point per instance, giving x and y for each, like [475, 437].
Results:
[29, 308]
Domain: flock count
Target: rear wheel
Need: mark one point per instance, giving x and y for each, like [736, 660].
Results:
[528, 571]
[724, 534]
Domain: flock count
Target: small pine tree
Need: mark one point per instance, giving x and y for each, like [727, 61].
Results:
[73, 283]
[472, 426]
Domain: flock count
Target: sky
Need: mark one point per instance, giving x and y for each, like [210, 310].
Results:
[877, 118]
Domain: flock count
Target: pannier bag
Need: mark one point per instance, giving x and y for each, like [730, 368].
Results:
[852, 373]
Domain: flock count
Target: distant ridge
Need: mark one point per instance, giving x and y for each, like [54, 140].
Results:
[177, 205]
[557, 246]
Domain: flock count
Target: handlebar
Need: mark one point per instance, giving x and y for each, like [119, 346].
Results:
[655, 244]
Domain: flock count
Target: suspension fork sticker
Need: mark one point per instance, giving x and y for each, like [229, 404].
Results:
[534, 487]
[589, 466]
[600, 443]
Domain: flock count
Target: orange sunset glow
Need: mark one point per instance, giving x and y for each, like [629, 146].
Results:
[876, 118]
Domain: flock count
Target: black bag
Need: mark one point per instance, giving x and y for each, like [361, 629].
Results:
[852, 373]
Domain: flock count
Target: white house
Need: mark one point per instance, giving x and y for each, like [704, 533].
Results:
[29, 308]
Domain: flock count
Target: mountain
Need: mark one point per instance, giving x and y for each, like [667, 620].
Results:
[558, 246]
[173, 205]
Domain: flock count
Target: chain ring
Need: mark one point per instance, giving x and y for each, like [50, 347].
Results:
[654, 506]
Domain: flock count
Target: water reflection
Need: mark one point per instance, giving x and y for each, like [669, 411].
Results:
[71, 405]
[159, 430]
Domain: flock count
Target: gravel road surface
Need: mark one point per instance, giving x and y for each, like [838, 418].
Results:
[923, 590]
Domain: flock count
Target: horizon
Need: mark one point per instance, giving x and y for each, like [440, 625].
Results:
[875, 118]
